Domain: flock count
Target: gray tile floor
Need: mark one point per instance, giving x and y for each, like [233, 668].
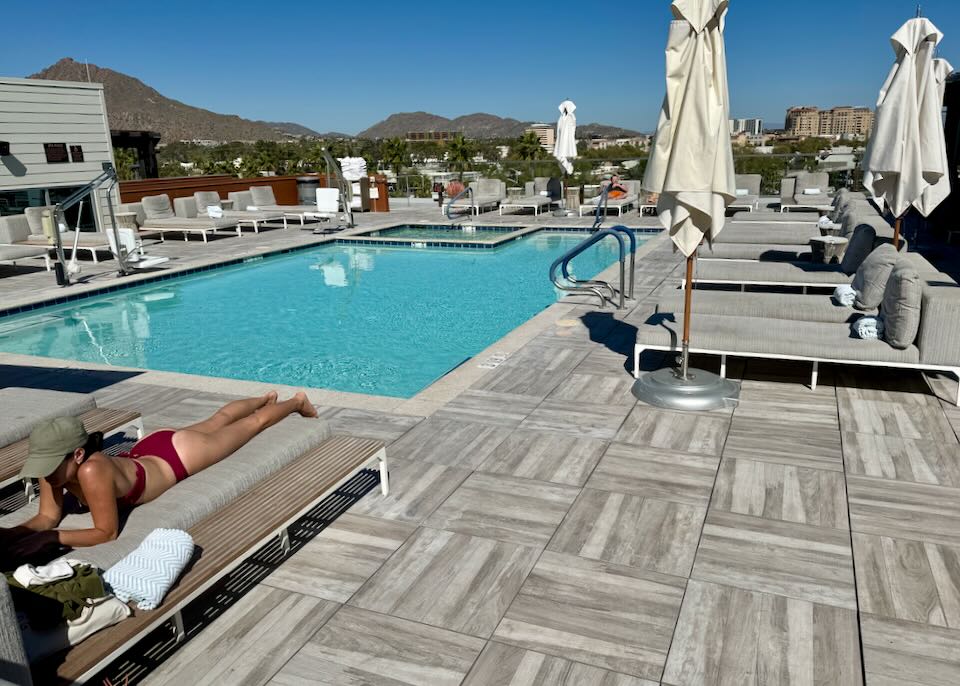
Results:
[529, 542]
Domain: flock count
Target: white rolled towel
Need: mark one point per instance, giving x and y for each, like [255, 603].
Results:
[844, 295]
[215, 212]
[868, 328]
[826, 223]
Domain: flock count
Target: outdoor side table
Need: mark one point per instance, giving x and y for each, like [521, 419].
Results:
[828, 249]
[126, 220]
[573, 197]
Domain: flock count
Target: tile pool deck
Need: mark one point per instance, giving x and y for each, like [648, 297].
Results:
[544, 528]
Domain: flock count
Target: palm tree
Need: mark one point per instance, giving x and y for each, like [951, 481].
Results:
[460, 152]
[395, 153]
[528, 147]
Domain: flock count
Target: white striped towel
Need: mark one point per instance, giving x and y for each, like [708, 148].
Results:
[844, 295]
[149, 571]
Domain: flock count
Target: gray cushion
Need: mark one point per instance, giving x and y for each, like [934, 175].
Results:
[34, 217]
[753, 233]
[750, 182]
[14, 668]
[262, 196]
[201, 494]
[14, 228]
[900, 308]
[773, 273]
[186, 207]
[22, 408]
[871, 278]
[767, 252]
[805, 308]
[939, 335]
[205, 199]
[241, 199]
[860, 245]
[136, 208]
[10, 253]
[819, 340]
[157, 207]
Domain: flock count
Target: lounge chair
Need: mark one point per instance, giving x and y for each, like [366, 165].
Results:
[90, 241]
[936, 346]
[487, 194]
[748, 192]
[231, 510]
[328, 207]
[14, 231]
[131, 248]
[799, 274]
[154, 213]
[806, 191]
[621, 205]
[196, 206]
[535, 198]
[261, 198]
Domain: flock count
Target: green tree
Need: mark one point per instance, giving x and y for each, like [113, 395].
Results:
[460, 152]
[527, 147]
[394, 152]
[126, 159]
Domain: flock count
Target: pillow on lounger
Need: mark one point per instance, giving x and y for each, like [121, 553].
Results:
[263, 196]
[157, 207]
[860, 245]
[900, 309]
[741, 192]
[872, 276]
[206, 199]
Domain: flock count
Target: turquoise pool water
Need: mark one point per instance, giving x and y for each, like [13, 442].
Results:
[377, 320]
[447, 233]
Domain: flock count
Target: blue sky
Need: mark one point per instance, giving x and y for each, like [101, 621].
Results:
[344, 66]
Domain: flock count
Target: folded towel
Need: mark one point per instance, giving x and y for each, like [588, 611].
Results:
[742, 192]
[28, 575]
[868, 328]
[826, 223]
[214, 212]
[147, 573]
[252, 208]
[844, 295]
[811, 191]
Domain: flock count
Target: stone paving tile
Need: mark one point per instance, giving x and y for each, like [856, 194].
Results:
[662, 474]
[582, 419]
[546, 456]
[888, 418]
[416, 490]
[449, 441]
[918, 512]
[688, 432]
[900, 652]
[902, 459]
[502, 409]
[382, 426]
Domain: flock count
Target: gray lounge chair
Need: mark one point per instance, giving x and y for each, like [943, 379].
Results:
[935, 348]
[91, 242]
[155, 213]
[14, 231]
[534, 198]
[262, 199]
[796, 192]
[748, 192]
[621, 205]
[201, 200]
[487, 194]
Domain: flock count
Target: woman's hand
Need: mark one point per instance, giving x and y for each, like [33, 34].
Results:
[34, 544]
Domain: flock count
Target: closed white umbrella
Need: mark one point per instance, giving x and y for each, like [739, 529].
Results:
[565, 147]
[691, 165]
[936, 193]
[906, 155]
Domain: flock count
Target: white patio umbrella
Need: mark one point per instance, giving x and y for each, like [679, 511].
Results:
[691, 167]
[906, 155]
[565, 147]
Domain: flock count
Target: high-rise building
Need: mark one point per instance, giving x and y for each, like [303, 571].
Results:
[751, 127]
[837, 121]
[545, 133]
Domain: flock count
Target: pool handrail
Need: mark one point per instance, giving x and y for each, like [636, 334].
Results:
[467, 189]
[590, 286]
[601, 212]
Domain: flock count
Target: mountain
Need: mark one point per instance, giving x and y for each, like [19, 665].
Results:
[131, 104]
[300, 131]
[479, 125]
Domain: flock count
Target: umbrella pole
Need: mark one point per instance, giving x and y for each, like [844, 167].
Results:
[896, 233]
[687, 298]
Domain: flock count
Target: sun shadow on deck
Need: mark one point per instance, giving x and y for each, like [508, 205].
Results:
[61, 378]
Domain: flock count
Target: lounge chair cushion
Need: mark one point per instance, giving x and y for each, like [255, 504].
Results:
[860, 245]
[14, 228]
[804, 308]
[199, 495]
[205, 199]
[871, 278]
[754, 234]
[11, 253]
[158, 207]
[762, 335]
[34, 217]
[14, 668]
[22, 408]
[767, 252]
[900, 308]
[939, 336]
[262, 196]
[773, 273]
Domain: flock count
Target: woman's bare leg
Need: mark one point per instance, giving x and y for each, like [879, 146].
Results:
[199, 450]
[231, 412]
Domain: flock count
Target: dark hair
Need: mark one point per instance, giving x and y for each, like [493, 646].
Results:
[94, 444]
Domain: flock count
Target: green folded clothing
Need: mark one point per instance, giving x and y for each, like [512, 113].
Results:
[51, 604]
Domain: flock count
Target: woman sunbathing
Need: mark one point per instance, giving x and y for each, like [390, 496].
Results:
[615, 189]
[65, 458]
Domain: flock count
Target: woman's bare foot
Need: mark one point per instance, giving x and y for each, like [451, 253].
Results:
[306, 407]
[270, 398]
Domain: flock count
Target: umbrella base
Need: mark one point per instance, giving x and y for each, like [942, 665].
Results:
[701, 390]
[563, 212]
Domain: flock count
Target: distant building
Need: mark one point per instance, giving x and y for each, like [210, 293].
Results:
[600, 143]
[837, 121]
[430, 135]
[545, 133]
[751, 127]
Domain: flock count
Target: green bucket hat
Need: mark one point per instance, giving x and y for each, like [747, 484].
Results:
[50, 442]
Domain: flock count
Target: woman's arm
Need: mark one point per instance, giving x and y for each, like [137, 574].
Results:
[49, 514]
[96, 480]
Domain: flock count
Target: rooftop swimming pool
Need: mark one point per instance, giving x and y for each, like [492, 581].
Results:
[359, 318]
[463, 233]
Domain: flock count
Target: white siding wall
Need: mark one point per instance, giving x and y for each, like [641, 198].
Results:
[34, 112]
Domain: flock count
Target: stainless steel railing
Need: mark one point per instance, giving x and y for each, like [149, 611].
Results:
[563, 280]
[465, 191]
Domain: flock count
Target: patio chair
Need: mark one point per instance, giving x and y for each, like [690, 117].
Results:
[14, 230]
[131, 248]
[198, 205]
[262, 198]
[535, 197]
[90, 241]
[748, 192]
[155, 213]
[808, 191]
[487, 194]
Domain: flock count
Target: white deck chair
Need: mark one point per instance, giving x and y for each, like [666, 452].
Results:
[134, 256]
[328, 206]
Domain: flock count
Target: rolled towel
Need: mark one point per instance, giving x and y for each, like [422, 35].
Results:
[214, 212]
[844, 295]
[826, 223]
[252, 208]
[147, 573]
[868, 328]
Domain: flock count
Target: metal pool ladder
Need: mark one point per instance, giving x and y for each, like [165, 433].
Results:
[465, 191]
[566, 282]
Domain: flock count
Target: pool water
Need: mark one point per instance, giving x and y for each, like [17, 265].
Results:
[376, 320]
[447, 233]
